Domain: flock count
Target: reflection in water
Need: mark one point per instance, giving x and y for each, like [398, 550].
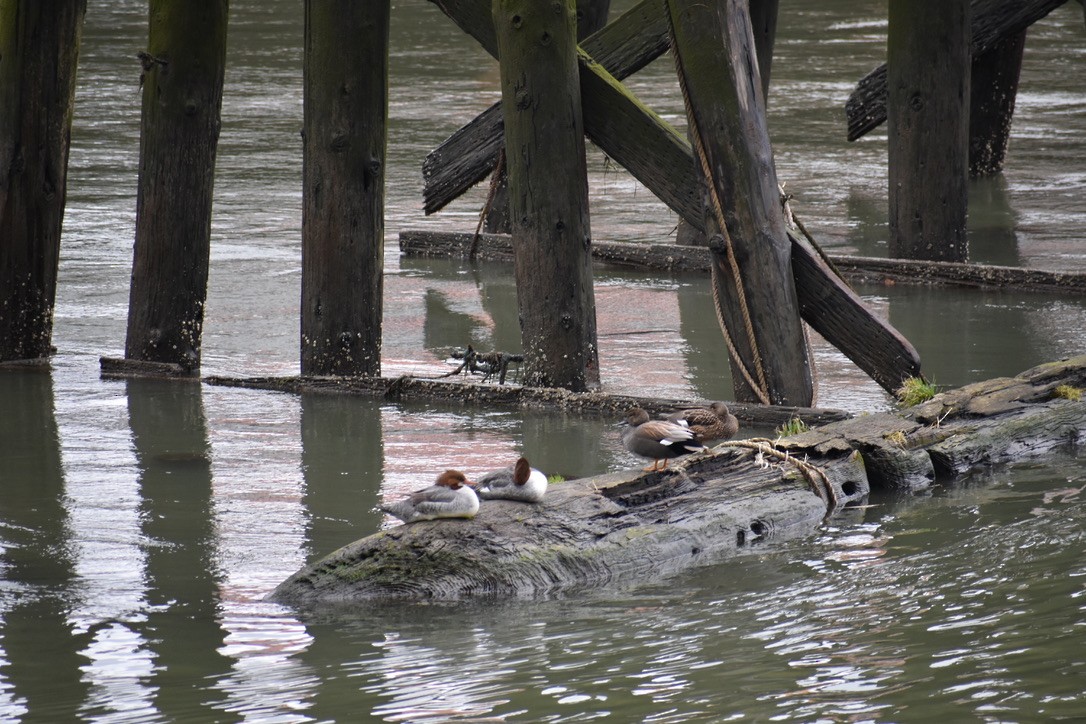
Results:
[182, 627]
[993, 238]
[342, 460]
[136, 550]
[40, 658]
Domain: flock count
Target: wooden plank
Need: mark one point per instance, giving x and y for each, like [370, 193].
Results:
[993, 21]
[621, 48]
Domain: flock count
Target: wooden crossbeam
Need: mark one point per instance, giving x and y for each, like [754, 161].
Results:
[993, 22]
[661, 159]
[621, 48]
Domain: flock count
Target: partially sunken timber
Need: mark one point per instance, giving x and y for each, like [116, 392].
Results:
[633, 527]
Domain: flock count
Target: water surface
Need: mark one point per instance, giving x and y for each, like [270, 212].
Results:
[142, 523]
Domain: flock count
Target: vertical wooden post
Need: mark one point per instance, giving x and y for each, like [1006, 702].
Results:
[994, 88]
[927, 68]
[763, 22]
[591, 16]
[39, 47]
[548, 191]
[752, 274]
[182, 81]
[343, 186]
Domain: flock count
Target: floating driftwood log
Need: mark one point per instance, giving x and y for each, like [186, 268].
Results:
[634, 527]
[682, 258]
[491, 395]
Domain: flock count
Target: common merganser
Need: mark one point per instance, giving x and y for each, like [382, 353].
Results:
[715, 422]
[657, 439]
[519, 482]
[450, 496]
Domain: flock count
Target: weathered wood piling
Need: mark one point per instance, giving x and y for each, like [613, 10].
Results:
[39, 48]
[928, 122]
[182, 79]
[753, 291]
[636, 527]
[548, 191]
[343, 186]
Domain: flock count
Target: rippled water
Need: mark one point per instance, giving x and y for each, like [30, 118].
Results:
[142, 523]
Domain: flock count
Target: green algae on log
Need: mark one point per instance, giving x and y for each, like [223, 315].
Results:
[611, 529]
[634, 527]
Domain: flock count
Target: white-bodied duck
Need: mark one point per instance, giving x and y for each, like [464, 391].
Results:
[715, 422]
[519, 482]
[657, 439]
[451, 496]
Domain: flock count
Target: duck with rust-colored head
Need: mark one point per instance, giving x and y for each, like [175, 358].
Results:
[451, 496]
[715, 422]
[520, 482]
[657, 439]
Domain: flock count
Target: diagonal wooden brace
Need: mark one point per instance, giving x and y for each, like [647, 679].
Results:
[661, 159]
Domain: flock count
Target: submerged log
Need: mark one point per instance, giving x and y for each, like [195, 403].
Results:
[634, 527]
[682, 258]
[491, 395]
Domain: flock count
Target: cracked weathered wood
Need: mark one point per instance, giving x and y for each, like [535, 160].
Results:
[634, 527]
[616, 529]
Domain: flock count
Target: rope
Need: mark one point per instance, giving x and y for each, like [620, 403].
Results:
[495, 181]
[818, 481]
[761, 389]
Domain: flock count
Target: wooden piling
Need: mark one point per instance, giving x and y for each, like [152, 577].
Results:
[548, 191]
[343, 174]
[994, 88]
[928, 90]
[763, 22]
[39, 47]
[182, 78]
[591, 16]
[752, 276]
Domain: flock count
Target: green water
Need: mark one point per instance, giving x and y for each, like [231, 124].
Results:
[142, 523]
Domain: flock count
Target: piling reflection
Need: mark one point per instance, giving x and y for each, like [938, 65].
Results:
[993, 222]
[706, 352]
[182, 628]
[343, 459]
[40, 651]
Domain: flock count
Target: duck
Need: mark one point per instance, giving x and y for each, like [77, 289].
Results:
[451, 496]
[715, 422]
[519, 482]
[657, 439]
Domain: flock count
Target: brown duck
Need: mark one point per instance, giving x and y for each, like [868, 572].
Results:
[657, 439]
[715, 422]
